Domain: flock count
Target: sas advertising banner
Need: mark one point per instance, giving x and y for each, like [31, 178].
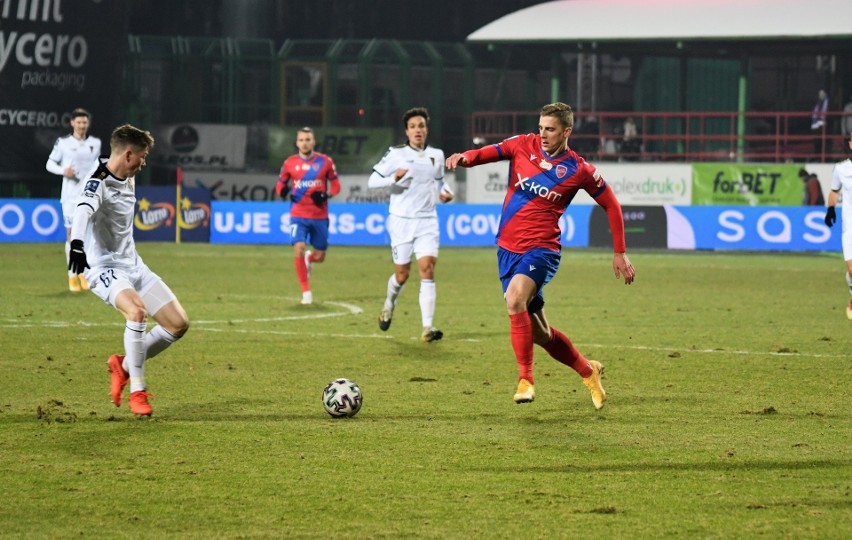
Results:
[766, 184]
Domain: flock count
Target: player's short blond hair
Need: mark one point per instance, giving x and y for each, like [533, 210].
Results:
[127, 135]
[561, 112]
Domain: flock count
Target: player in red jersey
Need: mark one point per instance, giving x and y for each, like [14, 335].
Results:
[544, 176]
[309, 178]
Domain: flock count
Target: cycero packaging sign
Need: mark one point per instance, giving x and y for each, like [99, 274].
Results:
[54, 57]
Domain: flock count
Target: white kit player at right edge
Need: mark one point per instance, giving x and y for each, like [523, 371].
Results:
[841, 188]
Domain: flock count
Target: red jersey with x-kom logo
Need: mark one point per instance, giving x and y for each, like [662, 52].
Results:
[304, 176]
[540, 188]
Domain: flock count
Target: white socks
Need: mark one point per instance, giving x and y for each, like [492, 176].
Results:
[157, 341]
[427, 298]
[427, 301]
[849, 282]
[134, 351]
[394, 289]
[68, 257]
[139, 347]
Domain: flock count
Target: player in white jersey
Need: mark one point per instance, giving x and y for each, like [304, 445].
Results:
[116, 272]
[73, 157]
[415, 174]
[841, 187]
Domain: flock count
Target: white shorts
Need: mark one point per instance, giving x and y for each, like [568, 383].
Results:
[106, 282]
[68, 211]
[420, 236]
[846, 242]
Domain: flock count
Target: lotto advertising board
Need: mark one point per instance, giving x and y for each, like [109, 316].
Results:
[161, 216]
[55, 57]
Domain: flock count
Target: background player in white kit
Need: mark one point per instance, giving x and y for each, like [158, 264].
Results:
[415, 174]
[73, 156]
[117, 274]
[841, 185]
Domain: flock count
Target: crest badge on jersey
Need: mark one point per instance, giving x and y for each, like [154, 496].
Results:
[561, 171]
[92, 186]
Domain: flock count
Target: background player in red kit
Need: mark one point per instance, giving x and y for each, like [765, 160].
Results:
[306, 176]
[544, 177]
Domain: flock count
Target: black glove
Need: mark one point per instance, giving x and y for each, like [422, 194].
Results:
[830, 216]
[284, 192]
[319, 197]
[77, 258]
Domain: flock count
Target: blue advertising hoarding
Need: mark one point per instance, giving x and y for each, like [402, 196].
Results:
[465, 225]
[363, 224]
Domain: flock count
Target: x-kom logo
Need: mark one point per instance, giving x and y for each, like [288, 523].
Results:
[524, 184]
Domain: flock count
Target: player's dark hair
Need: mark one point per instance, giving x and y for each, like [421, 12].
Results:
[80, 112]
[127, 135]
[305, 129]
[561, 112]
[411, 113]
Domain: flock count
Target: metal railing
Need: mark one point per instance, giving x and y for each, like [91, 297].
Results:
[780, 137]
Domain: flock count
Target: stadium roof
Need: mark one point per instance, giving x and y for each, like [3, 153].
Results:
[603, 21]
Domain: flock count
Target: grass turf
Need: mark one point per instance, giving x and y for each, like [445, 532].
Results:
[728, 416]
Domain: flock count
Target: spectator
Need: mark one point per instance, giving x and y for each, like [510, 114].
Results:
[630, 143]
[818, 118]
[846, 121]
[813, 189]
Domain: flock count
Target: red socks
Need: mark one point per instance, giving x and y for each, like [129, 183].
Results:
[302, 273]
[562, 350]
[522, 343]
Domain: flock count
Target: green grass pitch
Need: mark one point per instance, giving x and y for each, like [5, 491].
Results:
[728, 376]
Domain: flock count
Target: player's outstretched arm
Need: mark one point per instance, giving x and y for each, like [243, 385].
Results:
[622, 267]
[456, 160]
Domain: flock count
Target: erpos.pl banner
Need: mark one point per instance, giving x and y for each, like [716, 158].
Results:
[766, 184]
[200, 146]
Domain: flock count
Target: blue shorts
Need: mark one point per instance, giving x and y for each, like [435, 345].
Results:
[539, 264]
[309, 231]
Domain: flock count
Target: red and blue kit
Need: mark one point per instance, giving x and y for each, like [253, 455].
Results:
[540, 188]
[304, 176]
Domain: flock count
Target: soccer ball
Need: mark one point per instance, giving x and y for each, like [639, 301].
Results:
[342, 397]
